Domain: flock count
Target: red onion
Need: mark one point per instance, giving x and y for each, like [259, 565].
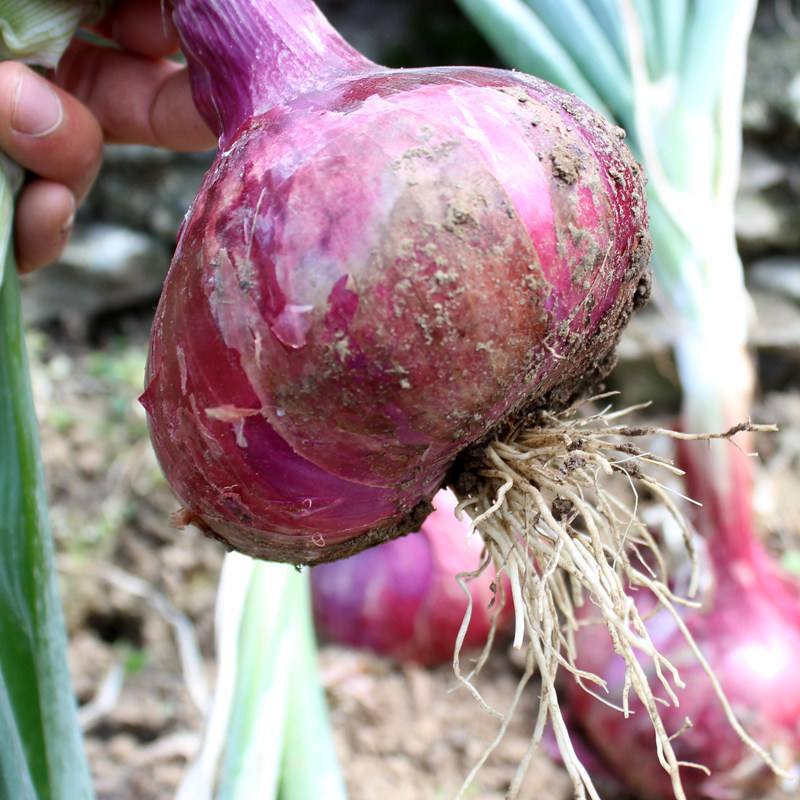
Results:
[391, 281]
[402, 599]
[382, 268]
[749, 632]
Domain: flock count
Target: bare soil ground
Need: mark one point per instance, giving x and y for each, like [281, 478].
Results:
[131, 584]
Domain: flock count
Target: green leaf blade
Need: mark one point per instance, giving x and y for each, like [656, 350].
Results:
[573, 25]
[606, 13]
[670, 20]
[708, 29]
[38, 31]
[254, 735]
[267, 732]
[522, 39]
[39, 705]
[310, 765]
[41, 751]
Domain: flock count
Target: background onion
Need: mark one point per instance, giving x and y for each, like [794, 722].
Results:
[402, 599]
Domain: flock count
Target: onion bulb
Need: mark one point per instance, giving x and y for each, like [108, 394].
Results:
[382, 268]
[408, 598]
[393, 281]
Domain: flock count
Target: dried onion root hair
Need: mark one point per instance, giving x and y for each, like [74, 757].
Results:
[550, 522]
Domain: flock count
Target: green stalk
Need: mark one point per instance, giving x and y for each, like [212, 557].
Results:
[38, 31]
[652, 41]
[574, 26]
[671, 25]
[267, 734]
[519, 35]
[607, 15]
[708, 32]
[41, 756]
[254, 735]
[700, 272]
[310, 768]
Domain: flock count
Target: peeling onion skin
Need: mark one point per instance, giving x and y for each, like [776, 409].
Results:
[401, 599]
[376, 274]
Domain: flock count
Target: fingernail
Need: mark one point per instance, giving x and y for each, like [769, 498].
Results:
[69, 224]
[37, 109]
[66, 228]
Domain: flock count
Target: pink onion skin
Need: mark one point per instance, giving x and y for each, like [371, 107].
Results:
[401, 599]
[749, 631]
[379, 270]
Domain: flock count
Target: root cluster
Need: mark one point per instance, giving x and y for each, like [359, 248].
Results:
[552, 524]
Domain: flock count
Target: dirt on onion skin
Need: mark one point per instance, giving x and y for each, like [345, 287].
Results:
[596, 358]
[461, 476]
[566, 164]
[438, 251]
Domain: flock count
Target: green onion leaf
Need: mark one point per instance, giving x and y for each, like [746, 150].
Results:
[310, 766]
[652, 43]
[267, 733]
[606, 13]
[709, 26]
[520, 37]
[38, 31]
[670, 20]
[254, 736]
[572, 24]
[41, 754]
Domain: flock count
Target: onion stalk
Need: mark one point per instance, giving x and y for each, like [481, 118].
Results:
[268, 722]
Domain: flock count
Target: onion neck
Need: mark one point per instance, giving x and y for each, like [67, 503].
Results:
[718, 378]
[246, 56]
[711, 311]
[741, 564]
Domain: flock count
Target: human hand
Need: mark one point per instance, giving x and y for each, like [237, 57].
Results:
[56, 128]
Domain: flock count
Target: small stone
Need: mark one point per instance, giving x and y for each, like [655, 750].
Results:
[105, 267]
[780, 274]
[760, 171]
[764, 223]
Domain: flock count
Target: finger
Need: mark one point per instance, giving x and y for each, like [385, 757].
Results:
[43, 223]
[143, 27]
[136, 99]
[47, 131]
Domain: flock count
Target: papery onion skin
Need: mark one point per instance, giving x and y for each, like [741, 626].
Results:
[375, 275]
[401, 599]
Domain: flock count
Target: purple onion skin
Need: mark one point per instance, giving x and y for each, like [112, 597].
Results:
[401, 599]
[380, 268]
[748, 630]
